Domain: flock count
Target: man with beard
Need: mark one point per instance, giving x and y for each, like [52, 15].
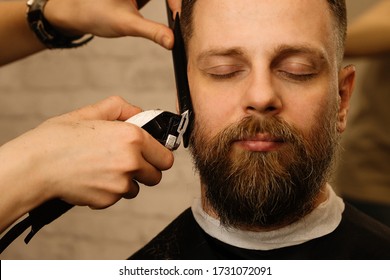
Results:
[270, 98]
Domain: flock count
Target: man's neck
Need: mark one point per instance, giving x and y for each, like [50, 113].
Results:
[324, 219]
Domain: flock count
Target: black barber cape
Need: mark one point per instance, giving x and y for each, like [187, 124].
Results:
[357, 237]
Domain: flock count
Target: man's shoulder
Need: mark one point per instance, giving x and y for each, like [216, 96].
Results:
[364, 224]
[181, 239]
[361, 237]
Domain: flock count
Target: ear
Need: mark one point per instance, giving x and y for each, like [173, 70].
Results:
[346, 86]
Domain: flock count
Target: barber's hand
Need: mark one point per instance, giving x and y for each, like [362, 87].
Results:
[87, 158]
[108, 18]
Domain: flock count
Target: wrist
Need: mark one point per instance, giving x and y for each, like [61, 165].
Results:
[50, 35]
[58, 14]
[20, 188]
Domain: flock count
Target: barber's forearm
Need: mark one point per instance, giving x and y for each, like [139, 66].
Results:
[372, 46]
[368, 40]
[16, 38]
[369, 34]
[19, 188]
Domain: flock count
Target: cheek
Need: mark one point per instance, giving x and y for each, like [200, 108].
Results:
[210, 112]
[214, 109]
[304, 111]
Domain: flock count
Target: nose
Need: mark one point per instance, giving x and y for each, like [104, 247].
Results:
[261, 95]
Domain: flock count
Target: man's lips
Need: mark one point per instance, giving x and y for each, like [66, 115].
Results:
[261, 142]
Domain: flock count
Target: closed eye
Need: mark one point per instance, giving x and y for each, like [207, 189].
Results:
[223, 72]
[297, 77]
[296, 71]
[224, 76]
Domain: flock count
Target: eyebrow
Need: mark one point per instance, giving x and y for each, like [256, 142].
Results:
[221, 52]
[283, 51]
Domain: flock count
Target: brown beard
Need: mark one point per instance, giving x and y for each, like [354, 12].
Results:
[264, 189]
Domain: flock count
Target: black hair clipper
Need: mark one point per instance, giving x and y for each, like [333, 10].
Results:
[166, 127]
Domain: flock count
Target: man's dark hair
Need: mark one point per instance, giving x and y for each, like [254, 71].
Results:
[186, 19]
[337, 8]
[339, 12]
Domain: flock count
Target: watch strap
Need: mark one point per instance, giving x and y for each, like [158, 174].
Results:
[46, 33]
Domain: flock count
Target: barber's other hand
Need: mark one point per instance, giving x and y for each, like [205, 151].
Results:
[108, 18]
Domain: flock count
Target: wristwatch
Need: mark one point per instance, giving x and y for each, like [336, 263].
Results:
[46, 33]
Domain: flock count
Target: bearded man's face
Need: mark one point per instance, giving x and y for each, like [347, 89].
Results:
[269, 99]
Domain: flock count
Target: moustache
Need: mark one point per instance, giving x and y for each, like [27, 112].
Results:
[250, 127]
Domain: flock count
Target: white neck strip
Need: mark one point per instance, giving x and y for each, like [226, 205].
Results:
[321, 221]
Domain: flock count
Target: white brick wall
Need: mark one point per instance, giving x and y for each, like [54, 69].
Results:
[55, 82]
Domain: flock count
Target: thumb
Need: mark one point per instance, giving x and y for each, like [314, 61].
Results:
[157, 32]
[110, 109]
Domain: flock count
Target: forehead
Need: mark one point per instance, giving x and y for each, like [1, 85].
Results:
[261, 25]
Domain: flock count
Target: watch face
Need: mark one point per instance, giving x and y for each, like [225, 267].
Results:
[30, 2]
[36, 5]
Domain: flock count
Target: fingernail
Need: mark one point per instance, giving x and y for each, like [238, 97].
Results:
[166, 41]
